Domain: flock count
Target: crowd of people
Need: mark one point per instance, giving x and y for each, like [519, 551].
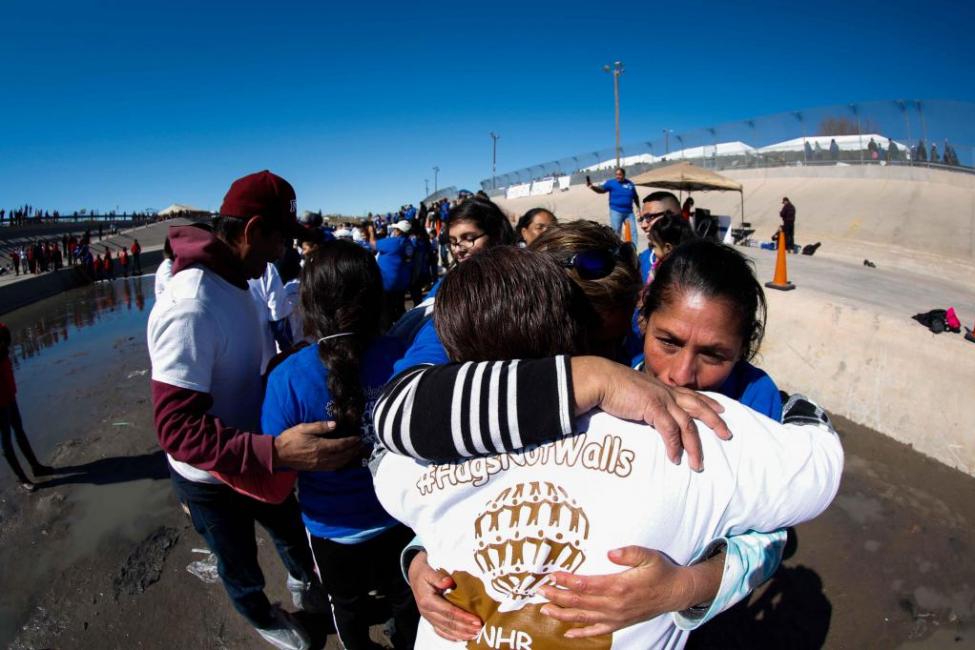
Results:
[43, 255]
[517, 460]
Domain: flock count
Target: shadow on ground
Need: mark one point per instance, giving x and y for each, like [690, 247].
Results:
[108, 471]
[790, 611]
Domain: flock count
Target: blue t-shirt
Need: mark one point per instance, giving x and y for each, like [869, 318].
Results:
[754, 388]
[647, 258]
[393, 252]
[621, 195]
[338, 504]
[426, 348]
[747, 385]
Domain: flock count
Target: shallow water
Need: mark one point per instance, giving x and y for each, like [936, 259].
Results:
[59, 347]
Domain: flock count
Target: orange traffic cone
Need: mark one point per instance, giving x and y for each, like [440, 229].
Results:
[627, 235]
[781, 279]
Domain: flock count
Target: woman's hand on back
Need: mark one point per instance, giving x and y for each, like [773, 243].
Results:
[651, 585]
[428, 585]
[632, 395]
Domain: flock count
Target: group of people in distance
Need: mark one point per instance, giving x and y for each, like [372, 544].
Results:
[523, 459]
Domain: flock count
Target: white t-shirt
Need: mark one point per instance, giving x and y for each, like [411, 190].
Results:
[292, 290]
[163, 275]
[268, 294]
[204, 335]
[500, 524]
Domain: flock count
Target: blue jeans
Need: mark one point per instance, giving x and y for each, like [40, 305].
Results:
[616, 220]
[226, 519]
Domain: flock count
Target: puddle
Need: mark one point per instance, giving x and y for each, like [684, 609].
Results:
[61, 348]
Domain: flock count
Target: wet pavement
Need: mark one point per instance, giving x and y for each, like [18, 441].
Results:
[97, 557]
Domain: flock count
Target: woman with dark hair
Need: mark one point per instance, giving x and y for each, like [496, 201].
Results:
[533, 223]
[705, 318]
[667, 233]
[355, 542]
[476, 224]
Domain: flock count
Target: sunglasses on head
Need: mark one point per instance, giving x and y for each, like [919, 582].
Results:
[597, 263]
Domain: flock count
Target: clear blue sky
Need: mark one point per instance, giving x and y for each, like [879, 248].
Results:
[141, 104]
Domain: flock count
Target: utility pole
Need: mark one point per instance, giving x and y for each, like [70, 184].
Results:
[436, 171]
[494, 159]
[616, 70]
[426, 187]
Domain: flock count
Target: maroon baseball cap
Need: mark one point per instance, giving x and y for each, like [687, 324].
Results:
[264, 194]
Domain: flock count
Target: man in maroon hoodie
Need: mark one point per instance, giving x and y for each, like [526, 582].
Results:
[205, 346]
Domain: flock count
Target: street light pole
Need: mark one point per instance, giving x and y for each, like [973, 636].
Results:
[494, 159]
[436, 171]
[426, 187]
[616, 69]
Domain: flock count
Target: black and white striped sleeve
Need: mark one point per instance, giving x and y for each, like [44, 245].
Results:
[441, 413]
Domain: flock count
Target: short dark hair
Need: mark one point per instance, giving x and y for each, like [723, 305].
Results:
[716, 271]
[487, 216]
[671, 229]
[661, 195]
[510, 303]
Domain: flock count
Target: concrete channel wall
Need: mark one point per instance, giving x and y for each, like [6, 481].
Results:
[880, 370]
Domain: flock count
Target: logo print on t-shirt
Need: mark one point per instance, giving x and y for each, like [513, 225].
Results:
[525, 533]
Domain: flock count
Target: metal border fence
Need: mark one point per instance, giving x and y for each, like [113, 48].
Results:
[900, 132]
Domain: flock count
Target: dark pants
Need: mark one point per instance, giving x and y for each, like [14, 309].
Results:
[393, 308]
[226, 519]
[10, 419]
[351, 571]
[137, 263]
[789, 228]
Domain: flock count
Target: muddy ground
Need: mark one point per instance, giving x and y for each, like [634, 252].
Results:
[97, 558]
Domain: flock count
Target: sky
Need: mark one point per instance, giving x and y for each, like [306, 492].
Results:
[138, 105]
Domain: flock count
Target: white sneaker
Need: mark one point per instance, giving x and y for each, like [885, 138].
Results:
[285, 633]
[309, 597]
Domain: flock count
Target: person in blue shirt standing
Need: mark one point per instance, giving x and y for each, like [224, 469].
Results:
[395, 258]
[355, 542]
[622, 198]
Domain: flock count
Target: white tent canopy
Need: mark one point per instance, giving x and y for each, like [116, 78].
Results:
[177, 208]
[844, 142]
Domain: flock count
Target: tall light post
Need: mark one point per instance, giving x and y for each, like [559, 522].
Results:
[667, 133]
[494, 159]
[616, 70]
[436, 172]
[426, 187]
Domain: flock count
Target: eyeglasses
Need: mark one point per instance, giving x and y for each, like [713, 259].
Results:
[598, 263]
[650, 216]
[465, 243]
